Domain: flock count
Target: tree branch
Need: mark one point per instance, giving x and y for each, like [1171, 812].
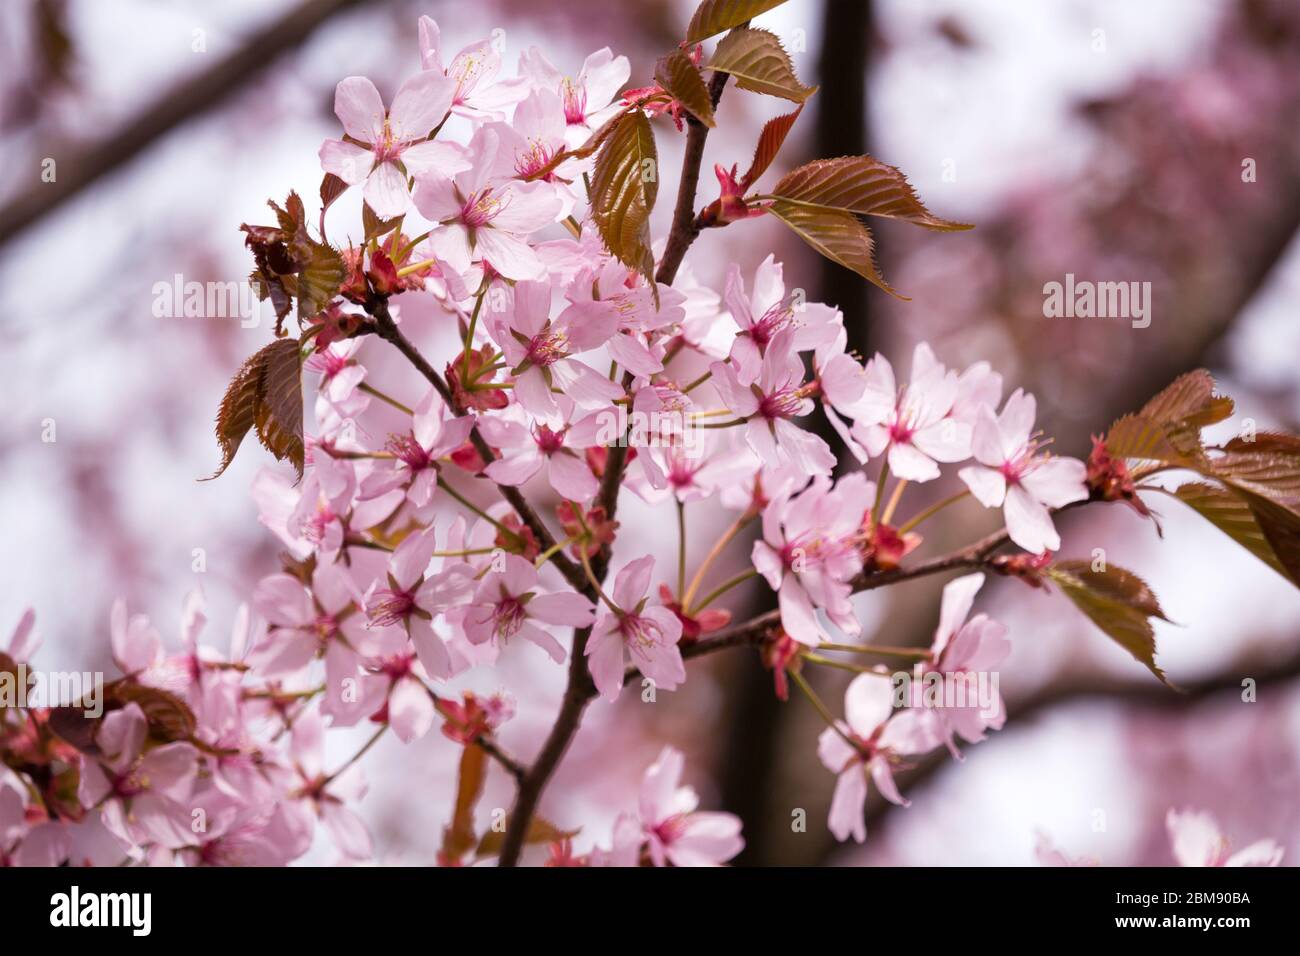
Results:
[174, 107]
[387, 330]
[580, 689]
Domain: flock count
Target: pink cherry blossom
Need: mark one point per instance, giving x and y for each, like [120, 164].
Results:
[913, 426]
[478, 93]
[876, 738]
[541, 350]
[416, 454]
[963, 647]
[767, 311]
[650, 635]
[394, 142]
[508, 604]
[809, 553]
[546, 446]
[768, 405]
[1014, 474]
[144, 792]
[588, 99]
[673, 830]
[484, 213]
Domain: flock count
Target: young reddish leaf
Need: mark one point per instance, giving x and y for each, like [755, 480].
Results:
[1232, 515]
[1139, 438]
[596, 139]
[238, 409]
[265, 394]
[860, 185]
[458, 836]
[539, 831]
[320, 280]
[838, 236]
[279, 411]
[770, 141]
[714, 16]
[624, 186]
[1117, 601]
[331, 188]
[760, 64]
[169, 718]
[1270, 474]
[1188, 403]
[681, 79]
[290, 264]
[1168, 428]
[374, 227]
[1280, 526]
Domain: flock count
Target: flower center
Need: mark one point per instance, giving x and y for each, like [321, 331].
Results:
[549, 441]
[772, 321]
[783, 403]
[508, 618]
[546, 348]
[481, 208]
[409, 451]
[393, 607]
[534, 159]
[640, 634]
[575, 102]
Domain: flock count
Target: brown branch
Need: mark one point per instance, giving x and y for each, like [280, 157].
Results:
[493, 750]
[755, 630]
[387, 330]
[174, 107]
[580, 689]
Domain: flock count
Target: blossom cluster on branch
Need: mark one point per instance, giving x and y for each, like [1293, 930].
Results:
[521, 207]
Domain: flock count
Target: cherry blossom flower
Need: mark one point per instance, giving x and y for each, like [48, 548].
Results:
[541, 350]
[879, 738]
[433, 437]
[478, 94]
[1046, 853]
[767, 311]
[409, 602]
[323, 621]
[144, 792]
[650, 635]
[29, 842]
[393, 143]
[485, 213]
[810, 551]
[674, 831]
[318, 795]
[507, 604]
[1013, 474]
[770, 402]
[963, 647]
[589, 99]
[525, 453]
[535, 139]
[1198, 841]
[912, 426]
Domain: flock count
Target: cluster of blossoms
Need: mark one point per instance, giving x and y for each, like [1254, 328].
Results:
[412, 556]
